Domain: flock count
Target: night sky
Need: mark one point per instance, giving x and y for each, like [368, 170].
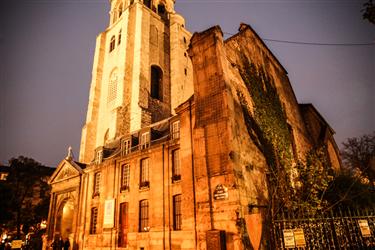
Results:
[47, 49]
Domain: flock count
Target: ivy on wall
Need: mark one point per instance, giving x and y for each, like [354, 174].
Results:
[268, 128]
[315, 176]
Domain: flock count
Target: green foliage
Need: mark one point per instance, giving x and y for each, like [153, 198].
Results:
[358, 154]
[24, 196]
[314, 187]
[241, 225]
[315, 177]
[369, 11]
[349, 192]
[269, 129]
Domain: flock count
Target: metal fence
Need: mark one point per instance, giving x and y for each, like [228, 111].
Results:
[343, 229]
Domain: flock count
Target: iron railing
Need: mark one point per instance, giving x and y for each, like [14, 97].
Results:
[342, 229]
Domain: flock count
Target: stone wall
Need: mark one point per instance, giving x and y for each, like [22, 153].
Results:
[248, 127]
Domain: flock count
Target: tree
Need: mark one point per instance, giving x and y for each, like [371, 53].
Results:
[24, 194]
[359, 154]
[349, 191]
[369, 11]
[315, 177]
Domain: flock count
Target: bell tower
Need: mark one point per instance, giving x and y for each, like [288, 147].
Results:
[141, 72]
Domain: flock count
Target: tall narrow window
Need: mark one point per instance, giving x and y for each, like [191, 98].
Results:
[125, 177]
[161, 10]
[99, 156]
[112, 86]
[120, 11]
[156, 83]
[143, 216]
[145, 140]
[94, 220]
[176, 130]
[96, 190]
[177, 218]
[123, 225]
[112, 43]
[125, 147]
[144, 180]
[147, 3]
[176, 169]
[119, 37]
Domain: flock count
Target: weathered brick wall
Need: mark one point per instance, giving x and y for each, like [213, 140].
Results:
[227, 146]
[224, 153]
[247, 43]
[321, 134]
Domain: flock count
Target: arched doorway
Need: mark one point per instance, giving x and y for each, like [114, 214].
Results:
[64, 219]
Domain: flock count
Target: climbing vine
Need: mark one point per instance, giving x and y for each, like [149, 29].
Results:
[268, 126]
[315, 176]
[268, 129]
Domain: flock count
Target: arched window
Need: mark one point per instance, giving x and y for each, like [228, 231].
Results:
[119, 37]
[156, 82]
[147, 3]
[161, 10]
[120, 10]
[112, 44]
[112, 86]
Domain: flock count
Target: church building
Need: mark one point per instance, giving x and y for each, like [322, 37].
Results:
[173, 152]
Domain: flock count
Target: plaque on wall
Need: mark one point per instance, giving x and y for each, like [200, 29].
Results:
[289, 238]
[365, 229]
[221, 192]
[299, 237]
[109, 213]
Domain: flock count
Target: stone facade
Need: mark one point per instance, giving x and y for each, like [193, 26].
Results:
[183, 165]
[142, 37]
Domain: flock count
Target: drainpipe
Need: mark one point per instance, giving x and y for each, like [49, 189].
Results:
[169, 207]
[113, 196]
[85, 186]
[193, 173]
[163, 199]
[208, 180]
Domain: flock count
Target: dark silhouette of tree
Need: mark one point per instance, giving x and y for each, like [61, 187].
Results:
[348, 191]
[24, 195]
[359, 154]
[369, 11]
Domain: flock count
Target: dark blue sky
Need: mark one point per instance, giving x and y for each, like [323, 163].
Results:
[47, 46]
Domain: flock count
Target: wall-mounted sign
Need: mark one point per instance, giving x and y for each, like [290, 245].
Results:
[365, 229]
[299, 237]
[221, 192]
[289, 238]
[109, 213]
[16, 244]
[294, 238]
